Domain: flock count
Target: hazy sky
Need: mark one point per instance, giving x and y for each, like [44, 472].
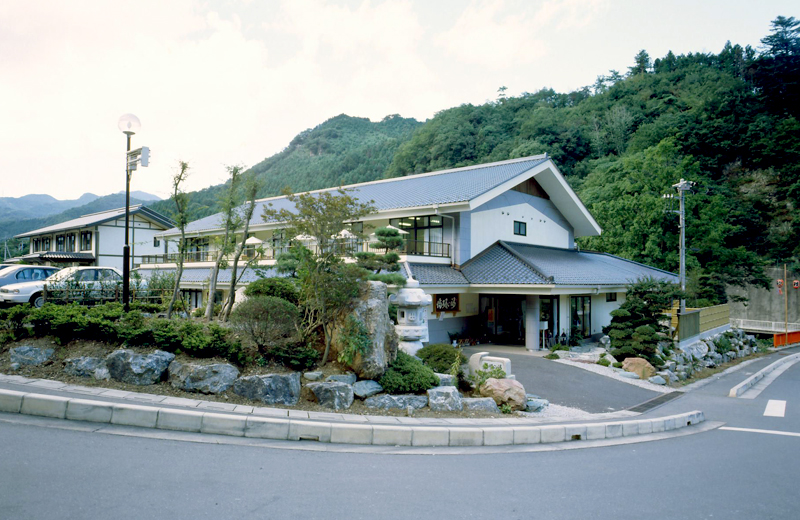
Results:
[221, 82]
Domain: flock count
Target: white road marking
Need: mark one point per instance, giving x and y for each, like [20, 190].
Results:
[775, 408]
[751, 430]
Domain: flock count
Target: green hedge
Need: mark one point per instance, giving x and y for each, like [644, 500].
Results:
[440, 356]
[407, 374]
[109, 323]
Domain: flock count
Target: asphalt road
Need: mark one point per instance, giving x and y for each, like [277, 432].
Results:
[569, 386]
[728, 474]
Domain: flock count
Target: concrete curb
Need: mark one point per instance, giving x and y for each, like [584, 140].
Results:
[279, 428]
[748, 383]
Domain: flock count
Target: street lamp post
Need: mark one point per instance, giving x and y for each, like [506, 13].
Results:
[129, 124]
[682, 188]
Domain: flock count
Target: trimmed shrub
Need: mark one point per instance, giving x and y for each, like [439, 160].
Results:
[604, 362]
[441, 356]
[268, 321]
[297, 357]
[283, 288]
[407, 374]
[12, 322]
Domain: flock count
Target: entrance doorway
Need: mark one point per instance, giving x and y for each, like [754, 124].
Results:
[581, 317]
[503, 318]
[548, 320]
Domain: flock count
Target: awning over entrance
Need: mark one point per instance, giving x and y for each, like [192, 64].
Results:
[58, 256]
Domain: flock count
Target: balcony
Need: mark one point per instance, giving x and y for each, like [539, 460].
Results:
[344, 247]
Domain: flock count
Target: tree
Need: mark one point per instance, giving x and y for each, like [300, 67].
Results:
[389, 240]
[328, 285]
[181, 217]
[231, 221]
[641, 65]
[251, 189]
[785, 37]
[637, 326]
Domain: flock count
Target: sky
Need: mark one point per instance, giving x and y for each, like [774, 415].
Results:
[226, 82]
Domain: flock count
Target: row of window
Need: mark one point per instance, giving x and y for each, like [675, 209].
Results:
[63, 243]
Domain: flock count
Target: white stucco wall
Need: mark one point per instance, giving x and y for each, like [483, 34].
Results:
[495, 221]
[601, 310]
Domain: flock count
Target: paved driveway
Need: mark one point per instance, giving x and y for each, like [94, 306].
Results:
[566, 385]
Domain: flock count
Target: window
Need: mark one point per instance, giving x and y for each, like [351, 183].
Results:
[60, 242]
[70, 239]
[45, 244]
[33, 274]
[424, 235]
[156, 242]
[35, 245]
[107, 275]
[611, 297]
[581, 315]
[86, 241]
[520, 228]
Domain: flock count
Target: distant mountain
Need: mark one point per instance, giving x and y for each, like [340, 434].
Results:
[342, 150]
[14, 226]
[35, 206]
[141, 195]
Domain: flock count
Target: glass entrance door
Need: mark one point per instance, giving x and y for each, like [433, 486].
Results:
[581, 316]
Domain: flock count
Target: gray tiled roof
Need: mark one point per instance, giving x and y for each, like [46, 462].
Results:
[448, 186]
[98, 218]
[499, 265]
[513, 263]
[434, 274]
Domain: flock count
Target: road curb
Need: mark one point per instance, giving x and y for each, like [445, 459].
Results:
[751, 381]
[278, 428]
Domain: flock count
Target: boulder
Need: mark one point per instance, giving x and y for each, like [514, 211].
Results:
[207, 379]
[270, 388]
[639, 367]
[87, 367]
[696, 350]
[396, 402]
[129, 367]
[313, 376]
[605, 341]
[657, 380]
[669, 376]
[447, 380]
[481, 404]
[367, 388]
[14, 367]
[536, 405]
[444, 399]
[27, 355]
[505, 391]
[347, 379]
[334, 395]
[371, 309]
[628, 375]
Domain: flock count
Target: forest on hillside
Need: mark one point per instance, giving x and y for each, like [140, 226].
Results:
[728, 121]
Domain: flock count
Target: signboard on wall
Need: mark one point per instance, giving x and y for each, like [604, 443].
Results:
[446, 303]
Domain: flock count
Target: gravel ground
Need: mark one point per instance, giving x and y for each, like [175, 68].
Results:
[556, 411]
[608, 372]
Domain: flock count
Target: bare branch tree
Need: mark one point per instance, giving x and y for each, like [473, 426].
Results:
[181, 217]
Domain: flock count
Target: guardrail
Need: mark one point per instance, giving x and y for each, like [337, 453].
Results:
[772, 327]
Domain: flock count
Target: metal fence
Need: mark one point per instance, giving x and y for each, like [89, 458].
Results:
[97, 296]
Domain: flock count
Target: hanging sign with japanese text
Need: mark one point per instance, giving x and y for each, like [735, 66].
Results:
[445, 303]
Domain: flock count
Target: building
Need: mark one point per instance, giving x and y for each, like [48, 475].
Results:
[97, 239]
[494, 244]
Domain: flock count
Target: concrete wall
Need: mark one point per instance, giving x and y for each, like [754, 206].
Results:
[767, 305]
[495, 221]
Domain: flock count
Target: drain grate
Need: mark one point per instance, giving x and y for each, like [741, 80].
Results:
[655, 402]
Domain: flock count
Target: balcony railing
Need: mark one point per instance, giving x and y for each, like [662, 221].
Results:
[344, 247]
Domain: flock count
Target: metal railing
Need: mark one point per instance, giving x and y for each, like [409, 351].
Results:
[772, 327]
[96, 296]
[342, 247]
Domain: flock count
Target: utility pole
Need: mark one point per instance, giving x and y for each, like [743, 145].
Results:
[682, 188]
[785, 309]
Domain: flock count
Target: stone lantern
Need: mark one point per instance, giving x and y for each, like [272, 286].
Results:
[412, 322]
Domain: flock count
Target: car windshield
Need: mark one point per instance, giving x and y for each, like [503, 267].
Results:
[62, 274]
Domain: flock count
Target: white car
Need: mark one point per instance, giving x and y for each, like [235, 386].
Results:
[24, 273]
[81, 279]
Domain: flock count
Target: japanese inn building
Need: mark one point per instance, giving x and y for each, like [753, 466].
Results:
[494, 244]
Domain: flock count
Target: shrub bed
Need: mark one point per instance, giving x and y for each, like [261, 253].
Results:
[407, 375]
[441, 357]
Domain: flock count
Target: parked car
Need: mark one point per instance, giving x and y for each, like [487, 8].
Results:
[24, 273]
[73, 282]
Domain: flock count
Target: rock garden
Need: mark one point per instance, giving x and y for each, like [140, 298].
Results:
[259, 358]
